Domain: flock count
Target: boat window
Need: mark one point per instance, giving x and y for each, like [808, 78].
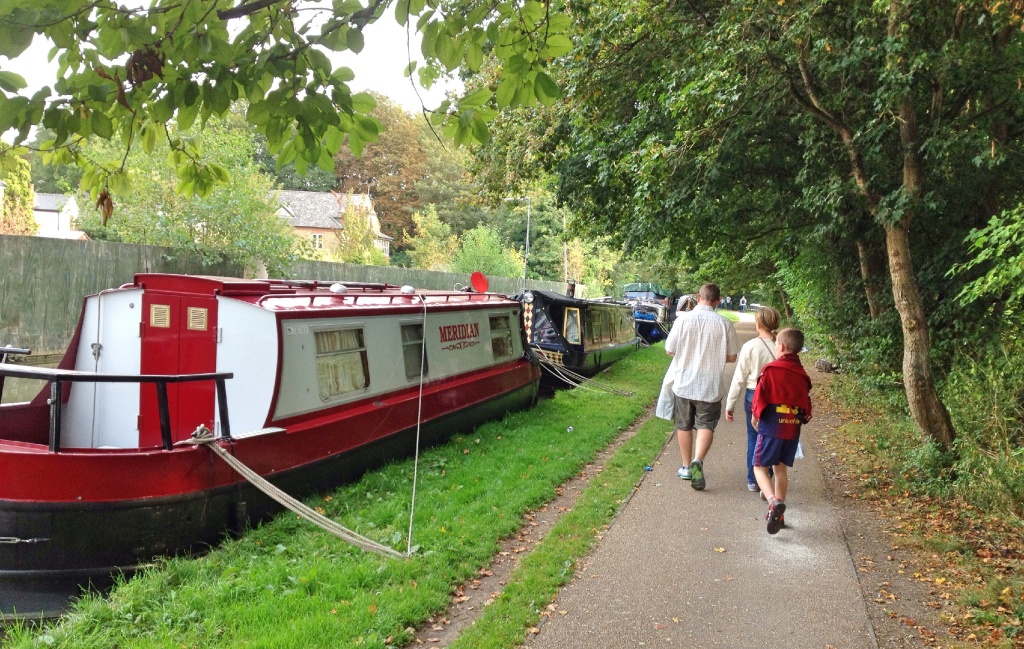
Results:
[597, 324]
[571, 331]
[543, 330]
[412, 350]
[627, 329]
[501, 337]
[341, 364]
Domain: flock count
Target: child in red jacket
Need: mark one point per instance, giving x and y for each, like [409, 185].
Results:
[782, 402]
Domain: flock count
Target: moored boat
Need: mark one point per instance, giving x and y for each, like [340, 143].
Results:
[309, 384]
[652, 310]
[576, 337]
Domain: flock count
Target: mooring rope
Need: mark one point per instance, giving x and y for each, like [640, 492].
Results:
[419, 419]
[204, 436]
[578, 380]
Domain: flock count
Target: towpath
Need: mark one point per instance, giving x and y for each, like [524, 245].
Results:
[685, 568]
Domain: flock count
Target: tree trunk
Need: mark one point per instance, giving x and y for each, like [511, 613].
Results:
[925, 406]
[868, 276]
[923, 399]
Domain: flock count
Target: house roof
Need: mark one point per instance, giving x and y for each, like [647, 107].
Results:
[50, 202]
[310, 209]
[325, 209]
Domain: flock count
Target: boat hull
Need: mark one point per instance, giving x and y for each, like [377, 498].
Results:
[86, 543]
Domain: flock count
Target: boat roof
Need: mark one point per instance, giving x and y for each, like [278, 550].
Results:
[301, 295]
[558, 298]
[646, 287]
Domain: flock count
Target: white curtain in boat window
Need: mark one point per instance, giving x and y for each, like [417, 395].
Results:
[571, 331]
[341, 364]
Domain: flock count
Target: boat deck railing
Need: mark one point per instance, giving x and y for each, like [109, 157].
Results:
[58, 377]
[377, 299]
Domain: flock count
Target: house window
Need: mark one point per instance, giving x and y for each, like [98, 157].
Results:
[318, 241]
[341, 364]
[412, 350]
[501, 337]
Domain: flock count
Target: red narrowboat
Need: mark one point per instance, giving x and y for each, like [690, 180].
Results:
[307, 383]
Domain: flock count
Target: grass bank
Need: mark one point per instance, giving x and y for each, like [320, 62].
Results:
[290, 585]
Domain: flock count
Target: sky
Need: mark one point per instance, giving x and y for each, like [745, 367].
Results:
[378, 67]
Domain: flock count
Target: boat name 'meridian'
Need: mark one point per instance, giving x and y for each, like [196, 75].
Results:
[451, 333]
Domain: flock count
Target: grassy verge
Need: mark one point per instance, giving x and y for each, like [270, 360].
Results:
[971, 540]
[288, 584]
[534, 584]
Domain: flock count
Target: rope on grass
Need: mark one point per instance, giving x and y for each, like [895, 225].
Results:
[204, 436]
[578, 380]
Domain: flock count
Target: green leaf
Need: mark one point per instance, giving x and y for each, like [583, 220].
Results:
[557, 45]
[101, 125]
[326, 161]
[355, 143]
[333, 139]
[149, 137]
[402, 12]
[478, 97]
[163, 110]
[343, 75]
[448, 51]
[355, 40]
[474, 56]
[363, 102]
[187, 116]
[219, 99]
[546, 89]
[219, 172]
[346, 7]
[533, 12]
[479, 128]
[12, 82]
[507, 90]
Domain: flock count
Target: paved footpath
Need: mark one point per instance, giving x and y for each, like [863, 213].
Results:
[684, 568]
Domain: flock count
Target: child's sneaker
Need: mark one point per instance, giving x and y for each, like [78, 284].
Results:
[775, 512]
[697, 475]
[752, 486]
[684, 472]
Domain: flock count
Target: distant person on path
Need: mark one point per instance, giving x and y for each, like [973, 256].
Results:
[701, 343]
[728, 302]
[782, 402]
[743, 304]
[754, 355]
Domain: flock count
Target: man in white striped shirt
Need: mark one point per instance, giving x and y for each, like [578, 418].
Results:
[704, 342]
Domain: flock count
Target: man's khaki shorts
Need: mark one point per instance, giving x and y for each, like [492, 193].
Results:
[689, 414]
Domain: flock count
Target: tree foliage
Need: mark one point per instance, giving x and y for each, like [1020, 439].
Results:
[356, 239]
[481, 249]
[818, 142]
[390, 170]
[16, 215]
[434, 245]
[236, 221]
[126, 74]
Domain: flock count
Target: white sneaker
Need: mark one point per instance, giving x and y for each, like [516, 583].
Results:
[684, 472]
